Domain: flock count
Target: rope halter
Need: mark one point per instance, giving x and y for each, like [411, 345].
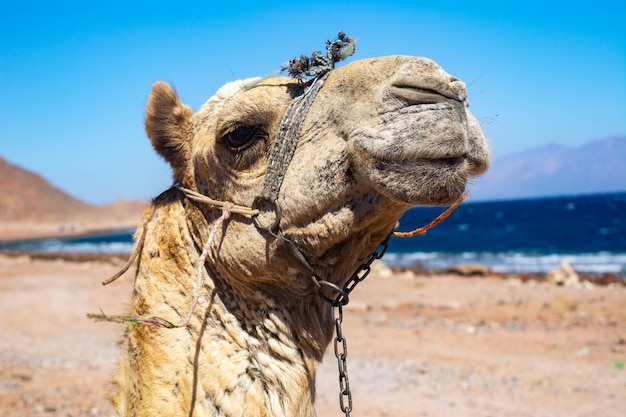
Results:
[317, 66]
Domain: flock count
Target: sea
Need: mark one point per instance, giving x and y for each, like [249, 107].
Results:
[510, 236]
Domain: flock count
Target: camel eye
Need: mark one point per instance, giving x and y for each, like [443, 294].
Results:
[243, 137]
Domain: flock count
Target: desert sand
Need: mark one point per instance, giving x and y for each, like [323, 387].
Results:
[418, 344]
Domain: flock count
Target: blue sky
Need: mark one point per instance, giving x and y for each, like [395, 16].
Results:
[74, 76]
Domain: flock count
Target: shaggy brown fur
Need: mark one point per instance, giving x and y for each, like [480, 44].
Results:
[382, 135]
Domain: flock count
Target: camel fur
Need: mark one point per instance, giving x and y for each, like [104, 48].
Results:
[382, 135]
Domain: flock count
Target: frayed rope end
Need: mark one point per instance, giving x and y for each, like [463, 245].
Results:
[149, 320]
[319, 64]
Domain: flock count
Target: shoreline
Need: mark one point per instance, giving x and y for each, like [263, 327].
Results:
[70, 235]
[76, 257]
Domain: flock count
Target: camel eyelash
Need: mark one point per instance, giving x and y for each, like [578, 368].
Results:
[242, 137]
[248, 144]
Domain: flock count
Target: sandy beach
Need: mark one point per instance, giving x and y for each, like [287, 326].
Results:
[419, 345]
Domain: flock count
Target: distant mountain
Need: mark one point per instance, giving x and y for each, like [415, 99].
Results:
[554, 170]
[28, 197]
[123, 208]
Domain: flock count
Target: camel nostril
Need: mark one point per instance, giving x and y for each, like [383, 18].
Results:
[416, 95]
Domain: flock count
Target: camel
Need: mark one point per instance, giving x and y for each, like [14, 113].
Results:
[381, 135]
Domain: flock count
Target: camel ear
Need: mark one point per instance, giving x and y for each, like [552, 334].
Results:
[168, 125]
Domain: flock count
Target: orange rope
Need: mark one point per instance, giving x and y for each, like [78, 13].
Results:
[422, 230]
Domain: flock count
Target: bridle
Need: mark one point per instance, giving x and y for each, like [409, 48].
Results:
[266, 205]
[280, 156]
[319, 67]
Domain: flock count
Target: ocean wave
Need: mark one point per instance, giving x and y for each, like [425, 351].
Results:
[514, 262]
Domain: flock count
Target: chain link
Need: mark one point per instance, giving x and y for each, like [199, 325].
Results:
[336, 305]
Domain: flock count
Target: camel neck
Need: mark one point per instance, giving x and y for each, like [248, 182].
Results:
[222, 365]
[252, 362]
[235, 358]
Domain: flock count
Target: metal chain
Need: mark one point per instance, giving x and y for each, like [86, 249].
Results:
[341, 353]
[361, 273]
[336, 306]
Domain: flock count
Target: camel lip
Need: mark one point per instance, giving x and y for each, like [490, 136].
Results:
[450, 161]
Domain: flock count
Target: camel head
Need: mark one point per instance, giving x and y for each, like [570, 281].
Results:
[382, 135]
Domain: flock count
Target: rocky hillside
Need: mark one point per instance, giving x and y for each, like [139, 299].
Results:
[554, 170]
[28, 197]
